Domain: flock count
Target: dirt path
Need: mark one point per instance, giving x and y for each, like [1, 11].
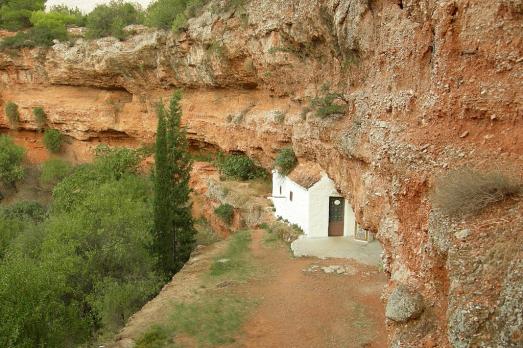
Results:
[299, 304]
[312, 309]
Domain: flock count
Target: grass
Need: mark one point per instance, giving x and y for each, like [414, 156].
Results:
[468, 191]
[235, 262]
[212, 321]
[214, 317]
[156, 337]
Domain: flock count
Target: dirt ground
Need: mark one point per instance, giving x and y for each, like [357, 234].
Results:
[313, 309]
[296, 307]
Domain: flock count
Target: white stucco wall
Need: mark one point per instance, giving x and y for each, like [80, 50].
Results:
[309, 209]
[295, 212]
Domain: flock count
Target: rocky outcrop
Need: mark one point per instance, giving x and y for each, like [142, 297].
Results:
[426, 85]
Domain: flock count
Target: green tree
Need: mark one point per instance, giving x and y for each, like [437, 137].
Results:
[11, 157]
[53, 140]
[110, 19]
[173, 224]
[285, 160]
[180, 167]
[16, 14]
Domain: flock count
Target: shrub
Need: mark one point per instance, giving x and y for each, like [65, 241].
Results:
[156, 336]
[11, 157]
[40, 117]
[285, 160]
[239, 167]
[225, 212]
[34, 37]
[53, 140]
[54, 170]
[110, 19]
[465, 191]
[13, 115]
[328, 104]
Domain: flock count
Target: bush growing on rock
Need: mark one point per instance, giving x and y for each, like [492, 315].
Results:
[466, 191]
[239, 167]
[328, 104]
[13, 115]
[225, 212]
[53, 140]
[285, 160]
[40, 117]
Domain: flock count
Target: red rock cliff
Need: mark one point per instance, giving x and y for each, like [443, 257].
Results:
[427, 86]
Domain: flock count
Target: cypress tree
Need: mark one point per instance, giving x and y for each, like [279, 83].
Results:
[173, 224]
[163, 243]
[180, 169]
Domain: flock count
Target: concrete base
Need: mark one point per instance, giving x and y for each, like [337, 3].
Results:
[368, 253]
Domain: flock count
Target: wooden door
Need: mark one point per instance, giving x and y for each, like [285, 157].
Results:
[336, 216]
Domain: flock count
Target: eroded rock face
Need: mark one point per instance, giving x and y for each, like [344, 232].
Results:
[414, 77]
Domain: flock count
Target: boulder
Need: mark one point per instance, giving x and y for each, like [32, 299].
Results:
[404, 305]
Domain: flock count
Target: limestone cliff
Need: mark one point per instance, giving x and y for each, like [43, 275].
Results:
[427, 86]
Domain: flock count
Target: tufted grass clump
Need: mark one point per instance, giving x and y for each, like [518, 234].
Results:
[13, 115]
[467, 191]
[285, 160]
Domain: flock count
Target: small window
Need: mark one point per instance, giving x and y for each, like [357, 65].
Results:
[290, 196]
[280, 190]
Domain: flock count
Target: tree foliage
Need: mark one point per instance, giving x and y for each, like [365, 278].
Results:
[40, 117]
[173, 224]
[83, 267]
[110, 19]
[16, 14]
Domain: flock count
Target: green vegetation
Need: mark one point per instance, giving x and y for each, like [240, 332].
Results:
[225, 212]
[11, 157]
[53, 140]
[285, 160]
[467, 191]
[40, 117]
[16, 14]
[235, 262]
[110, 19]
[239, 167]
[54, 170]
[13, 115]
[329, 104]
[44, 27]
[156, 337]
[81, 269]
[174, 231]
[212, 321]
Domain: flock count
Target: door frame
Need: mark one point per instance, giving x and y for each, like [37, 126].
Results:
[340, 230]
